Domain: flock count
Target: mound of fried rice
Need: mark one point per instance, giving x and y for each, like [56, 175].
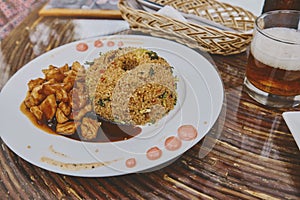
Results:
[131, 86]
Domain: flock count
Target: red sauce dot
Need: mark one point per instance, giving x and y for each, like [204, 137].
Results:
[187, 132]
[154, 153]
[98, 43]
[172, 143]
[110, 43]
[130, 163]
[82, 46]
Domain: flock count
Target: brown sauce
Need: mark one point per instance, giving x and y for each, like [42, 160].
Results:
[108, 132]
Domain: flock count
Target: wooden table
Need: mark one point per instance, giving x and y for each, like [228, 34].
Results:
[251, 153]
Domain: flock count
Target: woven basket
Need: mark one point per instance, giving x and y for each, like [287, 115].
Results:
[205, 38]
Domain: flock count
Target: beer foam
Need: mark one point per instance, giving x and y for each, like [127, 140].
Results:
[283, 55]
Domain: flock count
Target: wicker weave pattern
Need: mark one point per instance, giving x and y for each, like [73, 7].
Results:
[205, 38]
[226, 14]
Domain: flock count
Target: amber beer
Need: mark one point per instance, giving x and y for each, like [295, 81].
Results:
[273, 69]
[273, 66]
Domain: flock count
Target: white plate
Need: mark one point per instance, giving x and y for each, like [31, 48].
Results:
[292, 120]
[200, 92]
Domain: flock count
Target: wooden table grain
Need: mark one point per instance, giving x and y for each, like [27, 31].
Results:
[248, 154]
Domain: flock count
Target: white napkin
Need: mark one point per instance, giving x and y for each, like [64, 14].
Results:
[292, 120]
[254, 6]
[86, 28]
[171, 12]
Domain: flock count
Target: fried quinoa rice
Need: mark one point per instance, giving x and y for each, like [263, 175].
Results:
[99, 66]
[134, 86]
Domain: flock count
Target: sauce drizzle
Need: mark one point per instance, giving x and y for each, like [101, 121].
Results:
[108, 131]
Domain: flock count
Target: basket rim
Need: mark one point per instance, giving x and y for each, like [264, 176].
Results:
[124, 4]
[205, 38]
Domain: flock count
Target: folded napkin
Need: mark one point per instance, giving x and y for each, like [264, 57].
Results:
[86, 28]
[292, 120]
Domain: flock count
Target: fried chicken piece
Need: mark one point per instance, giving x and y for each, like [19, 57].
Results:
[76, 66]
[70, 77]
[48, 88]
[67, 128]
[30, 101]
[78, 115]
[71, 116]
[36, 111]
[48, 107]
[78, 98]
[89, 128]
[60, 116]
[65, 108]
[53, 73]
[37, 95]
[67, 86]
[34, 83]
[61, 95]
[64, 68]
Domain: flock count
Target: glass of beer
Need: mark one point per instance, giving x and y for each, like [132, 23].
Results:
[273, 68]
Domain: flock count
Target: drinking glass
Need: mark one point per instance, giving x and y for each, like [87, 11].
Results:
[273, 68]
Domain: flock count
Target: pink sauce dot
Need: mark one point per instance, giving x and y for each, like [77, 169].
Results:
[187, 132]
[172, 143]
[154, 153]
[110, 43]
[130, 163]
[120, 44]
[82, 46]
[98, 43]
